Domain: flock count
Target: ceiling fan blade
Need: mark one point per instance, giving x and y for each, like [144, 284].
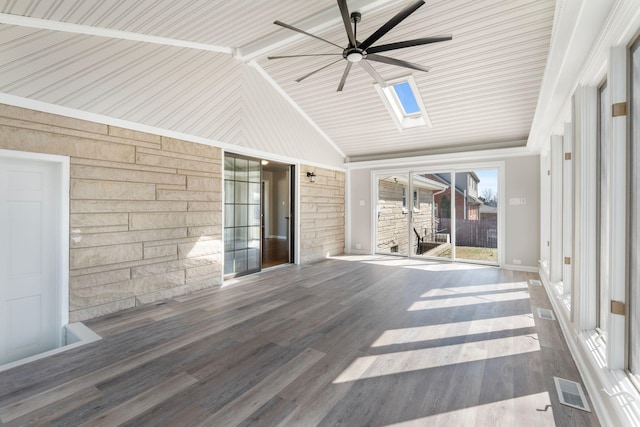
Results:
[319, 69]
[344, 76]
[300, 56]
[344, 11]
[369, 69]
[408, 43]
[398, 62]
[391, 23]
[282, 24]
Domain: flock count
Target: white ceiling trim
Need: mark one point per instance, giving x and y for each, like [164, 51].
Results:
[295, 105]
[444, 159]
[45, 107]
[25, 21]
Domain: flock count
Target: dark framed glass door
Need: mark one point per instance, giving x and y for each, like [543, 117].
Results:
[242, 215]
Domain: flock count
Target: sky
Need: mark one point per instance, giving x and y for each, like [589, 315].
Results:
[406, 97]
[488, 179]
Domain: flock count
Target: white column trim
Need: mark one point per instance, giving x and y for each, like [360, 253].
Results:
[545, 212]
[616, 334]
[567, 209]
[555, 258]
[586, 101]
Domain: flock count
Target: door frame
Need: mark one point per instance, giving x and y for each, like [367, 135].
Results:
[62, 165]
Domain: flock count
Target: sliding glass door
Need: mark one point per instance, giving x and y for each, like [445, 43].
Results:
[432, 214]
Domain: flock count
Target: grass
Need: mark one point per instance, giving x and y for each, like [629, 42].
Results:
[472, 253]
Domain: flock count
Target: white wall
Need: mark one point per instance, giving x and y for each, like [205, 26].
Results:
[522, 225]
[279, 204]
[361, 205]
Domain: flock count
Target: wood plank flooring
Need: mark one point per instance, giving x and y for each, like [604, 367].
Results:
[352, 341]
[274, 252]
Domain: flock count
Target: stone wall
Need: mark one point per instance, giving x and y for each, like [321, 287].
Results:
[423, 220]
[322, 215]
[392, 219]
[145, 210]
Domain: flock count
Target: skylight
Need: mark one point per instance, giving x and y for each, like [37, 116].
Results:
[406, 98]
[404, 103]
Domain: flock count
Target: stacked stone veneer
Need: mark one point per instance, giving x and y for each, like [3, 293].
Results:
[145, 210]
[321, 214]
[393, 219]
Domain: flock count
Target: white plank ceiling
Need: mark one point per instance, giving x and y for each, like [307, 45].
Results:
[481, 91]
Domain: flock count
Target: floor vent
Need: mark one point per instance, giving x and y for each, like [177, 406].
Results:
[570, 393]
[544, 313]
[535, 282]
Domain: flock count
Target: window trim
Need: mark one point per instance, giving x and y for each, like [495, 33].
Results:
[396, 110]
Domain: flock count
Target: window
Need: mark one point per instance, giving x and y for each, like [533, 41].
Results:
[404, 103]
[603, 209]
[634, 222]
[416, 201]
[404, 199]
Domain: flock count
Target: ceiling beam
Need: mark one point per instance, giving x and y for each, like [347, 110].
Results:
[45, 24]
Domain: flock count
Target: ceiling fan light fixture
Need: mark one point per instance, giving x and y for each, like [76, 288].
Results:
[355, 56]
[356, 51]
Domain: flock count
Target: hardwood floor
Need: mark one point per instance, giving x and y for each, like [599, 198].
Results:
[353, 341]
[274, 252]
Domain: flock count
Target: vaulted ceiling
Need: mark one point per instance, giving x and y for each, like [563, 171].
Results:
[169, 63]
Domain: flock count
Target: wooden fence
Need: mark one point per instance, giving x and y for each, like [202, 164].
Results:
[474, 233]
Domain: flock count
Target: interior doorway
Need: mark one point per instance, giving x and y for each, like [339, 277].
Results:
[278, 216]
[258, 214]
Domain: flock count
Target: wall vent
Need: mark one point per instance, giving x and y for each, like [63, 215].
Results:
[535, 282]
[570, 393]
[544, 313]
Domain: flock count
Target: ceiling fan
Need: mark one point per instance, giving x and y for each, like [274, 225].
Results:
[363, 52]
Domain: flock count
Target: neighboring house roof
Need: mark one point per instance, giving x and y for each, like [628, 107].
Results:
[486, 209]
[418, 182]
[442, 178]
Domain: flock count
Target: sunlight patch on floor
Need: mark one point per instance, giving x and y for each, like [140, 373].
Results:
[472, 289]
[460, 301]
[508, 412]
[451, 330]
[415, 360]
[419, 264]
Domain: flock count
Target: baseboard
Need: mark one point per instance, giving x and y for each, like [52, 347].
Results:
[526, 268]
[357, 252]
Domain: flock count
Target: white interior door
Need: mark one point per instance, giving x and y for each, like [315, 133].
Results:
[29, 254]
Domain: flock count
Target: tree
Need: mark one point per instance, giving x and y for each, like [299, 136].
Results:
[489, 197]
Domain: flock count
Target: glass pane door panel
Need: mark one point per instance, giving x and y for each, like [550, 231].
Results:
[476, 215]
[431, 213]
[393, 215]
[242, 243]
